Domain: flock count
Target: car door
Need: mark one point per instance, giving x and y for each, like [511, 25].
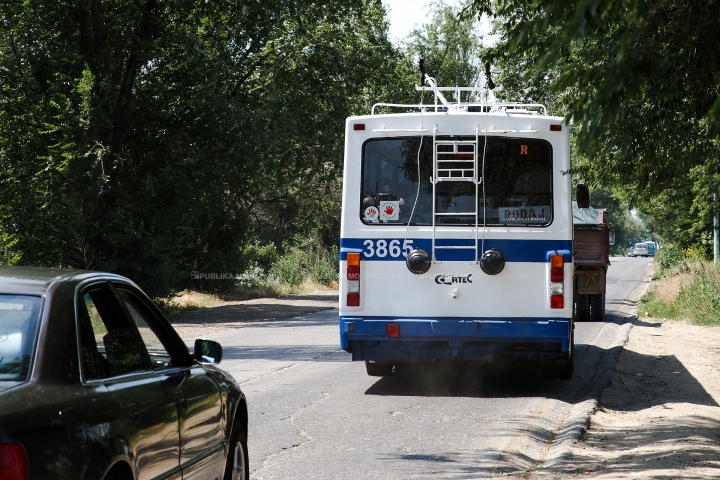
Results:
[150, 426]
[197, 396]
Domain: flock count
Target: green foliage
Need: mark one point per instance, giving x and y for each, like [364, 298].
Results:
[156, 139]
[256, 255]
[628, 228]
[311, 261]
[638, 82]
[670, 257]
[289, 268]
[698, 299]
[451, 47]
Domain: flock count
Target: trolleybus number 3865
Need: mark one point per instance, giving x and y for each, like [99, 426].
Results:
[383, 248]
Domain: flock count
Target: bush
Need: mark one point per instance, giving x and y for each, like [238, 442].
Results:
[669, 257]
[257, 255]
[697, 299]
[289, 268]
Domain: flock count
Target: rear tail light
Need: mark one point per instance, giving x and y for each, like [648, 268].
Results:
[557, 301]
[557, 285]
[392, 329]
[13, 462]
[353, 280]
[556, 274]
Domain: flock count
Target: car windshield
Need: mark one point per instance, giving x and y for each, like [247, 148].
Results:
[19, 316]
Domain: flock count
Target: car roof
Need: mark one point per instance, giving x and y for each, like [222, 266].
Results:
[38, 280]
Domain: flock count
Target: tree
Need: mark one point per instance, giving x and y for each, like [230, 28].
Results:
[638, 80]
[154, 138]
[451, 47]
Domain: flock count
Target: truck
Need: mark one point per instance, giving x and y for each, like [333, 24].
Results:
[591, 258]
[456, 234]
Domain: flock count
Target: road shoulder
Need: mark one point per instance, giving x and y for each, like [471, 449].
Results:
[660, 416]
[238, 314]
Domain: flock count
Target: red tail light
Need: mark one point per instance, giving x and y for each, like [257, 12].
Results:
[392, 329]
[353, 273]
[557, 276]
[13, 462]
[353, 280]
[557, 301]
[353, 299]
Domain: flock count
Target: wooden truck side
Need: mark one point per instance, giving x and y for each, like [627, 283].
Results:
[591, 256]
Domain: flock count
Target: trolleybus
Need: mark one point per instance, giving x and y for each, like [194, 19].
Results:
[456, 234]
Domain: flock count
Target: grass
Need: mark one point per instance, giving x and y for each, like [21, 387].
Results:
[691, 292]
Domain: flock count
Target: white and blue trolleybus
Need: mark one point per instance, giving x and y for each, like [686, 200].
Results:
[456, 235]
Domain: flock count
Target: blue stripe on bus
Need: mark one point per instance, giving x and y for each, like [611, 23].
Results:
[390, 249]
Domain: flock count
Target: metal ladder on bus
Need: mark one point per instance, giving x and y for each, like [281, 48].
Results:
[450, 164]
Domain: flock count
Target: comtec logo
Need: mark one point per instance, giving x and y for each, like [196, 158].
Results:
[451, 279]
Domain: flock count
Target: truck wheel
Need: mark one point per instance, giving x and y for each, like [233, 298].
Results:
[597, 306]
[378, 369]
[582, 308]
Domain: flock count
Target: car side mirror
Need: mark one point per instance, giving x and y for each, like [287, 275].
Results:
[208, 351]
[582, 195]
[611, 236]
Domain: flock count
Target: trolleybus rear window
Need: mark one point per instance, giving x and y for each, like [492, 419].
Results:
[517, 190]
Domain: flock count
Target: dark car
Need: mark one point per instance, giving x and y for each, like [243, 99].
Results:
[96, 384]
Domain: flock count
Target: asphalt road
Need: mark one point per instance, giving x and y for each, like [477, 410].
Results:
[315, 414]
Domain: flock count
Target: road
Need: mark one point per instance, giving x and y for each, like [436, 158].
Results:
[315, 414]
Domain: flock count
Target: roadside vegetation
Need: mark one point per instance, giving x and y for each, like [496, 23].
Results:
[157, 140]
[686, 285]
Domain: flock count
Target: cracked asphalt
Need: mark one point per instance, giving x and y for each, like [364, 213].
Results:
[315, 414]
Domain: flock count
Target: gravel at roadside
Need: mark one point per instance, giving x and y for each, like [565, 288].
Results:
[660, 416]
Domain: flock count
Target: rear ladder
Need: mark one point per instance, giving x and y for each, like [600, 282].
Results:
[450, 164]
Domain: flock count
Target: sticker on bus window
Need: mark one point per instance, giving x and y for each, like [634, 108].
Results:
[538, 214]
[390, 211]
[372, 214]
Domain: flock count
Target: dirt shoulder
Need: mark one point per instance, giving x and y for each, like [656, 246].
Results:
[660, 416]
[238, 314]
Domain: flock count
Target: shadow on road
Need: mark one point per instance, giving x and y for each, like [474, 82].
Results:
[259, 310]
[481, 381]
[593, 370]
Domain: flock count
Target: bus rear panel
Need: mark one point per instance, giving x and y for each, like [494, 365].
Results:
[480, 202]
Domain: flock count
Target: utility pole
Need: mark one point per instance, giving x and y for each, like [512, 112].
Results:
[716, 227]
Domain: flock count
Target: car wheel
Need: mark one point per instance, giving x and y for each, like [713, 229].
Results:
[378, 369]
[237, 467]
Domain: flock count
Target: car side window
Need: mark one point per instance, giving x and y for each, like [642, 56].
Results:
[159, 355]
[108, 341]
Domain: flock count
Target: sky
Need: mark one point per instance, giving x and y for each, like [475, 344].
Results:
[405, 15]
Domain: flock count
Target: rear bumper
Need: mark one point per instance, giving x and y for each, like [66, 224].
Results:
[481, 339]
